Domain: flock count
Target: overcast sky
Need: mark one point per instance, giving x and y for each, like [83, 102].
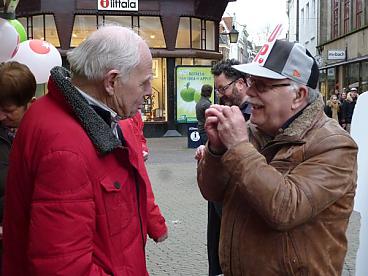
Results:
[259, 15]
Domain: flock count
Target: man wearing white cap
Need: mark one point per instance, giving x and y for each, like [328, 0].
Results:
[286, 195]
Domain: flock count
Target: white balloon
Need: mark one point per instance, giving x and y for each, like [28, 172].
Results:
[9, 38]
[40, 56]
[359, 132]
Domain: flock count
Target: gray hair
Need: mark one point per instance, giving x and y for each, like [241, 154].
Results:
[110, 47]
[312, 93]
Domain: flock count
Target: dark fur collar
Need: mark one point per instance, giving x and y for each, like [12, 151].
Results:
[98, 131]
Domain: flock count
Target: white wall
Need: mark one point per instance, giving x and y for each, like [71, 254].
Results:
[308, 24]
[292, 20]
[308, 10]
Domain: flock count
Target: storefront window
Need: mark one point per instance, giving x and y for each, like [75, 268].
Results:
[331, 81]
[202, 61]
[210, 35]
[196, 33]
[183, 38]
[84, 25]
[150, 29]
[125, 21]
[322, 84]
[38, 27]
[194, 61]
[154, 108]
[364, 77]
[41, 27]
[352, 75]
[51, 34]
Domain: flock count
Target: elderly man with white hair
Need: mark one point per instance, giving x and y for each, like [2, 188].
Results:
[77, 193]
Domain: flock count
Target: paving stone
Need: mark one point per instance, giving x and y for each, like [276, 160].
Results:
[172, 170]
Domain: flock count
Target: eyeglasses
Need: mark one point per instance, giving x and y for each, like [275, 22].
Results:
[223, 89]
[261, 86]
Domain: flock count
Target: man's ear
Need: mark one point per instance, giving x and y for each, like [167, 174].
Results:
[301, 97]
[240, 84]
[110, 79]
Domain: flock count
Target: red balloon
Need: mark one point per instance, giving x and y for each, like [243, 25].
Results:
[39, 47]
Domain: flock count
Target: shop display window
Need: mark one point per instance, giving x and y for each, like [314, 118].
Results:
[125, 21]
[150, 29]
[155, 106]
[84, 25]
[41, 27]
[364, 77]
[183, 38]
[210, 35]
[196, 33]
[331, 81]
[352, 75]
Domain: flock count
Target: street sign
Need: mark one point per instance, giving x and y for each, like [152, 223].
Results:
[336, 54]
[117, 5]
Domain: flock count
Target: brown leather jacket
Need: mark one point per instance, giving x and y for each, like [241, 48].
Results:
[287, 200]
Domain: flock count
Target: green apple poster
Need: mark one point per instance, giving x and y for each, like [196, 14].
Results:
[189, 81]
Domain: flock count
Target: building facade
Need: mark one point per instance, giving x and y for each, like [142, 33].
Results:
[336, 33]
[303, 23]
[180, 32]
[343, 45]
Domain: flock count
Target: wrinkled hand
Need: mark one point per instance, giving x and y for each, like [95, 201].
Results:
[211, 125]
[162, 238]
[199, 152]
[231, 126]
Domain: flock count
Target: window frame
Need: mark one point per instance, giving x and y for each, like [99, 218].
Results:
[358, 13]
[203, 32]
[346, 16]
[335, 18]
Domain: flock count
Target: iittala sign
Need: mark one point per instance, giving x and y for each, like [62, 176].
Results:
[118, 5]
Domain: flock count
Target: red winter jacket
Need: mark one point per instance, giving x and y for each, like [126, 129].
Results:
[138, 128]
[156, 226]
[76, 198]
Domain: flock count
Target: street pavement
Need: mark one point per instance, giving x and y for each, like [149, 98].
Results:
[172, 170]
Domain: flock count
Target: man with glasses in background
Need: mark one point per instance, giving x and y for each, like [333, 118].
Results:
[286, 195]
[231, 88]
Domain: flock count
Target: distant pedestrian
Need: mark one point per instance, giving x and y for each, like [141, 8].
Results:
[347, 108]
[332, 108]
[203, 103]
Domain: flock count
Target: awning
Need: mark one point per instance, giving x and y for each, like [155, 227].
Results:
[344, 62]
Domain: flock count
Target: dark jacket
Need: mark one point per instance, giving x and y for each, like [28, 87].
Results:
[347, 110]
[76, 197]
[5, 145]
[201, 107]
[286, 200]
[246, 109]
